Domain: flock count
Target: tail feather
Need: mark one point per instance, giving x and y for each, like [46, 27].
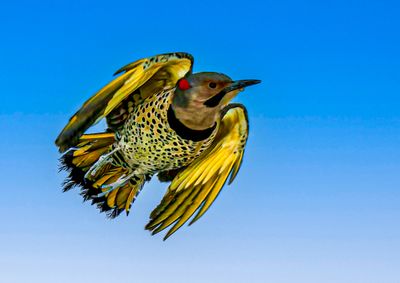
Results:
[77, 162]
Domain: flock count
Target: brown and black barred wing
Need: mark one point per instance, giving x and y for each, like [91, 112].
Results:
[137, 81]
[196, 187]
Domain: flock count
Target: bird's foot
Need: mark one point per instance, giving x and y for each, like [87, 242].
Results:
[117, 184]
[103, 160]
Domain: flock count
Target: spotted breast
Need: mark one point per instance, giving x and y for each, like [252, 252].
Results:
[150, 140]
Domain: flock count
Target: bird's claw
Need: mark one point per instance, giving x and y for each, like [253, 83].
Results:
[117, 184]
[103, 160]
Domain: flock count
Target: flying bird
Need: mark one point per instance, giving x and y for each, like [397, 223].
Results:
[162, 119]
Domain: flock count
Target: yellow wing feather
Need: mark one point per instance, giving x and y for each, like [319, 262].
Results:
[196, 187]
[141, 79]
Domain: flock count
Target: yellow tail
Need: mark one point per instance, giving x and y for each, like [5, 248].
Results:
[78, 160]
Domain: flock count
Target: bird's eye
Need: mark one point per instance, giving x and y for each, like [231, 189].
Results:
[212, 85]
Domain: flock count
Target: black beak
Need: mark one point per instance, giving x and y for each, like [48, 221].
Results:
[216, 99]
[240, 84]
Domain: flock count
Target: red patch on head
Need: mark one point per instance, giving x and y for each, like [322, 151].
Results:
[183, 84]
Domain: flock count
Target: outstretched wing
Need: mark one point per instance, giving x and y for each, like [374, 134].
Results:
[196, 187]
[139, 79]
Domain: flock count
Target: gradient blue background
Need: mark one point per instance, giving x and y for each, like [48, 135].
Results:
[317, 199]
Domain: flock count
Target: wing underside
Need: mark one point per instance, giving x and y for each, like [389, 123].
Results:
[195, 188]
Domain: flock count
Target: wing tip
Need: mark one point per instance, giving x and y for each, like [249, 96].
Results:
[60, 145]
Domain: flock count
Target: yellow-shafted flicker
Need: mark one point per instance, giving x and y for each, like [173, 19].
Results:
[162, 119]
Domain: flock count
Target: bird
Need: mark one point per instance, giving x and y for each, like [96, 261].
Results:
[162, 119]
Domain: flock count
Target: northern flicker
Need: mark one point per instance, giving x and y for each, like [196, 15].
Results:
[162, 119]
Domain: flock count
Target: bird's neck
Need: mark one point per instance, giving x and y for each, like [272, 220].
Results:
[195, 118]
[184, 131]
[192, 113]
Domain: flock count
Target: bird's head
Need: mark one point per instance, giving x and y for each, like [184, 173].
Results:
[199, 97]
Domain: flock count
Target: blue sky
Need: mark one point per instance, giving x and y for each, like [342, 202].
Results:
[317, 198]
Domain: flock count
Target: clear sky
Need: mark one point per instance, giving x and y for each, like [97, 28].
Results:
[318, 196]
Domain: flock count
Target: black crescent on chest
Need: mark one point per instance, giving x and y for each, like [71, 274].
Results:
[185, 132]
